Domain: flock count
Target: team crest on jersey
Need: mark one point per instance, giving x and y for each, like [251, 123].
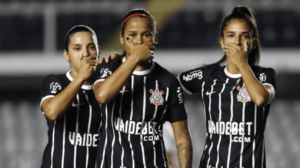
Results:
[156, 97]
[54, 87]
[243, 95]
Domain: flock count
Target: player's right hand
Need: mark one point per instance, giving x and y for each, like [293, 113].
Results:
[140, 52]
[86, 66]
[109, 58]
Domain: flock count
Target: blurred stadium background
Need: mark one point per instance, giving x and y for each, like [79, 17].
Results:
[31, 43]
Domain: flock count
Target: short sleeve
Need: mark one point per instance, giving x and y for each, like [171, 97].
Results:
[176, 110]
[268, 76]
[51, 86]
[102, 72]
[189, 79]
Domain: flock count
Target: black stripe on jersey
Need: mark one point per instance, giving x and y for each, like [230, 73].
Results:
[75, 146]
[88, 129]
[143, 119]
[231, 117]
[131, 115]
[114, 137]
[105, 141]
[64, 142]
[220, 117]
[120, 140]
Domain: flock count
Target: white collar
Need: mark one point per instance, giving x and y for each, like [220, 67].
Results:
[232, 75]
[85, 87]
[144, 72]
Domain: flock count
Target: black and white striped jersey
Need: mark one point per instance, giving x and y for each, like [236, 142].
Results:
[73, 138]
[234, 124]
[131, 135]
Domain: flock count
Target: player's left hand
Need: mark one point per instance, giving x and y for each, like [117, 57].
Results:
[237, 54]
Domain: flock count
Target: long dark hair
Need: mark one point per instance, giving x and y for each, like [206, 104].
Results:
[247, 14]
[75, 29]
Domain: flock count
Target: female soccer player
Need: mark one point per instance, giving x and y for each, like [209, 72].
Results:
[138, 97]
[68, 102]
[236, 97]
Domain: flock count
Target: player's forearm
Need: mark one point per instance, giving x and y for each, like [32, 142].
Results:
[59, 104]
[255, 89]
[185, 153]
[107, 90]
[183, 143]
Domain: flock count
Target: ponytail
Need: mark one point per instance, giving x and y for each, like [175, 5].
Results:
[247, 14]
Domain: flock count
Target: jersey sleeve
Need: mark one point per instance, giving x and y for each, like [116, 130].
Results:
[51, 86]
[176, 110]
[268, 76]
[102, 72]
[189, 80]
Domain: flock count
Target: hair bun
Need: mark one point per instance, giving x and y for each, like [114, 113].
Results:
[242, 10]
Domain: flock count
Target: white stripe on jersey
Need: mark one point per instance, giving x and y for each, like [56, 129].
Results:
[131, 115]
[220, 117]
[75, 145]
[52, 148]
[231, 116]
[242, 147]
[209, 110]
[64, 142]
[153, 142]
[161, 142]
[89, 127]
[113, 141]
[144, 108]
[253, 143]
[167, 96]
[204, 111]
[105, 142]
[120, 139]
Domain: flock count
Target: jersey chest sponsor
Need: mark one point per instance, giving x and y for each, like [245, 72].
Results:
[86, 139]
[241, 131]
[149, 130]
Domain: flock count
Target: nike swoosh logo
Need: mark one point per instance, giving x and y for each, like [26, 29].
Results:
[122, 91]
[209, 93]
[75, 105]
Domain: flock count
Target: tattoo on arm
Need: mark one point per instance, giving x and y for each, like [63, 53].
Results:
[185, 152]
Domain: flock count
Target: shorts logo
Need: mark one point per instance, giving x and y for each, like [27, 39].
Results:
[54, 87]
[156, 97]
[243, 95]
